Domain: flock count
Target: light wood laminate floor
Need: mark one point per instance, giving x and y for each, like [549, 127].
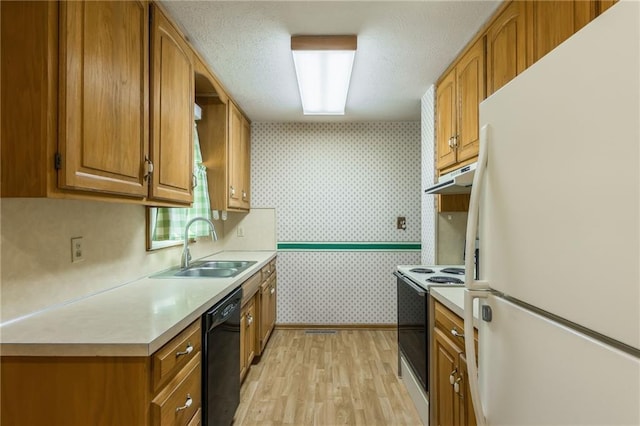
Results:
[347, 378]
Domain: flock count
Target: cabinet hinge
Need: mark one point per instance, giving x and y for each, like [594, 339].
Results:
[57, 161]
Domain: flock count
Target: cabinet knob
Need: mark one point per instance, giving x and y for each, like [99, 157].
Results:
[249, 320]
[186, 405]
[273, 290]
[194, 180]
[451, 142]
[232, 190]
[187, 350]
[456, 333]
[244, 195]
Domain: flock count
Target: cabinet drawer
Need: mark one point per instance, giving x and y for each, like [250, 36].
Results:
[268, 269]
[250, 287]
[173, 356]
[449, 323]
[177, 403]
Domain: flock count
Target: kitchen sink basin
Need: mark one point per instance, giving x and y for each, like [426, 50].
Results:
[207, 272]
[222, 264]
[208, 269]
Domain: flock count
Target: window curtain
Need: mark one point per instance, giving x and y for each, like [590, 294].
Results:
[170, 222]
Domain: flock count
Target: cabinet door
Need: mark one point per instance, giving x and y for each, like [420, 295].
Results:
[267, 310]
[272, 303]
[550, 23]
[250, 336]
[246, 163]
[506, 47]
[235, 157]
[446, 120]
[444, 399]
[470, 86]
[243, 345]
[466, 414]
[103, 96]
[172, 113]
[605, 4]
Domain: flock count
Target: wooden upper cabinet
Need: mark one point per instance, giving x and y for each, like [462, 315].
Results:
[172, 98]
[103, 96]
[246, 166]
[458, 96]
[236, 164]
[238, 159]
[552, 22]
[29, 56]
[605, 4]
[470, 75]
[506, 46]
[446, 120]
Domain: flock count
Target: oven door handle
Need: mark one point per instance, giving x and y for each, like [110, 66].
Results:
[421, 291]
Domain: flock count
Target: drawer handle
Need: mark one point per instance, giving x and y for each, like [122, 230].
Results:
[187, 351]
[456, 333]
[186, 405]
[273, 290]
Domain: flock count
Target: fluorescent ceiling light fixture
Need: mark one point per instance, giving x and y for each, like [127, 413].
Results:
[323, 68]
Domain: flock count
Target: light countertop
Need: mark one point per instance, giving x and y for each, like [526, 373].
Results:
[453, 298]
[134, 319]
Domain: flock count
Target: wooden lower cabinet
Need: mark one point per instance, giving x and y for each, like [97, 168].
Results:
[450, 397]
[258, 315]
[248, 323]
[96, 390]
[268, 299]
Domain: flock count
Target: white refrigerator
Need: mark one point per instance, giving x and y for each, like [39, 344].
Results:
[556, 205]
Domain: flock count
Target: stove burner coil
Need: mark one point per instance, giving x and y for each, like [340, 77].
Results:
[445, 280]
[457, 271]
[422, 270]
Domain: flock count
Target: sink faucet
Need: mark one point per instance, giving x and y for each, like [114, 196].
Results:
[186, 255]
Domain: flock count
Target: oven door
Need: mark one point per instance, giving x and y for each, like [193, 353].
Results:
[413, 333]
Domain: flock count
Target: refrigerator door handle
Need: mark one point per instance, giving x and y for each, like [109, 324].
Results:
[474, 207]
[470, 351]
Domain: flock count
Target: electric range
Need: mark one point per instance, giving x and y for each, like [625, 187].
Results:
[413, 283]
[438, 275]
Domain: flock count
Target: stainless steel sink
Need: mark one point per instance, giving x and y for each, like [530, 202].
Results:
[208, 269]
[207, 272]
[222, 264]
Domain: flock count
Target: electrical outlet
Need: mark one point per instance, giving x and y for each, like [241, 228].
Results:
[76, 250]
[402, 223]
[240, 231]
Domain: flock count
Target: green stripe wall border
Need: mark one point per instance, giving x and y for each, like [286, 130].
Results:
[348, 246]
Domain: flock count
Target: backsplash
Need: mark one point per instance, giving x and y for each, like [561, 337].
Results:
[335, 184]
[452, 229]
[36, 250]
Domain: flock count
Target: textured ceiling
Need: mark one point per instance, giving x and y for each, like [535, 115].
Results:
[403, 47]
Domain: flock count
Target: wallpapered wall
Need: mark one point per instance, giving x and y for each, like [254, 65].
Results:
[345, 183]
[428, 136]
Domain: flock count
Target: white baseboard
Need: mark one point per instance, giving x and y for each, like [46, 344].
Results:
[418, 396]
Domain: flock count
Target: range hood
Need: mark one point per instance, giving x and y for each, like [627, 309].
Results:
[456, 182]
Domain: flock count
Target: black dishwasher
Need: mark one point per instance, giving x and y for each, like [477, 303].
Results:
[221, 361]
